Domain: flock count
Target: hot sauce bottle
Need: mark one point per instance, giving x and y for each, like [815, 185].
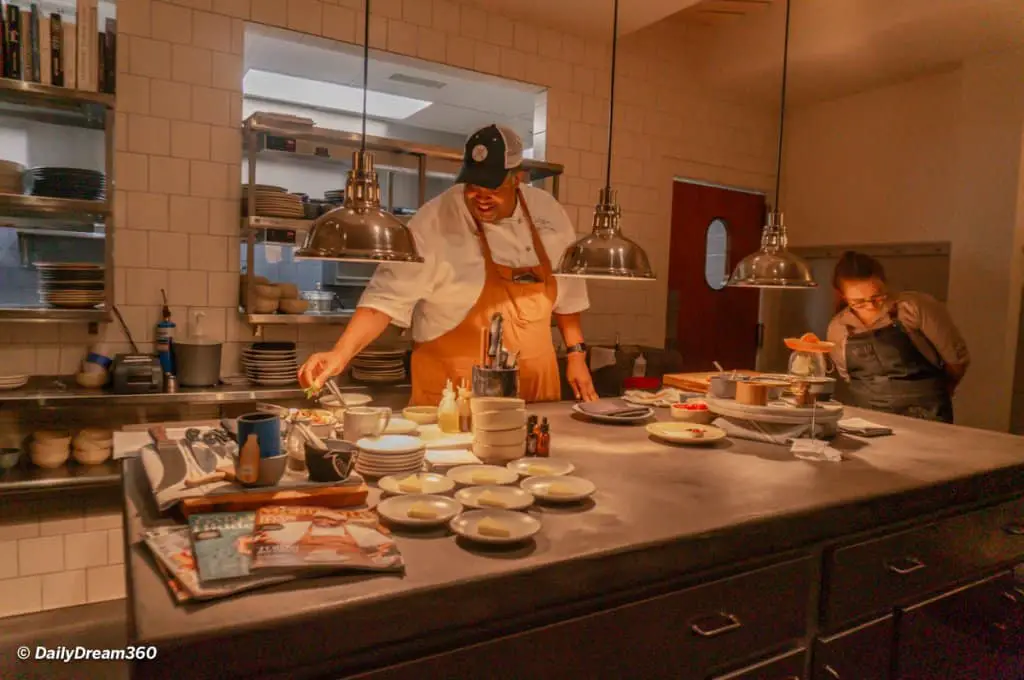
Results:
[544, 440]
[531, 436]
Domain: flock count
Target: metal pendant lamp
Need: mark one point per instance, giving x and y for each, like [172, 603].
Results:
[360, 230]
[773, 266]
[605, 253]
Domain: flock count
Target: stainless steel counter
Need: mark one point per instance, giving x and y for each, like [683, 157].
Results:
[661, 513]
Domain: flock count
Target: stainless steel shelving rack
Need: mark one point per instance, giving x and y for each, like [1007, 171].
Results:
[63, 106]
[326, 146]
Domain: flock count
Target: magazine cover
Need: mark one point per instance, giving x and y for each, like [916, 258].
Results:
[172, 548]
[220, 543]
[288, 537]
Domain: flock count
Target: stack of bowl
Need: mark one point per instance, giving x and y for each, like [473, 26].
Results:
[50, 448]
[499, 428]
[390, 454]
[92, 446]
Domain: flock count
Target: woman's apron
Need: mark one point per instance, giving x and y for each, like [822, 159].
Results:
[889, 373]
[525, 297]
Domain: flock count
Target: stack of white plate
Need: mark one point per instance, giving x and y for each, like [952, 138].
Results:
[274, 201]
[71, 285]
[12, 382]
[10, 177]
[391, 454]
[271, 363]
[379, 365]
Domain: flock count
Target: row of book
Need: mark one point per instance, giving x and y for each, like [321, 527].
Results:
[59, 50]
[219, 554]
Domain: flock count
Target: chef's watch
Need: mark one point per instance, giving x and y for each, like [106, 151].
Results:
[580, 347]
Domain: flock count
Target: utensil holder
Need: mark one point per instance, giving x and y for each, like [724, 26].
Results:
[495, 382]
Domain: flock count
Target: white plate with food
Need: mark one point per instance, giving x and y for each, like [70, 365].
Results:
[482, 475]
[418, 483]
[502, 497]
[419, 510]
[638, 417]
[541, 467]
[693, 434]
[495, 526]
[559, 489]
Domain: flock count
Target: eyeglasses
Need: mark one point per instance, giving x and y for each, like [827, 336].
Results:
[867, 303]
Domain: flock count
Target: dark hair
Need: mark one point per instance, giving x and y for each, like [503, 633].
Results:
[854, 266]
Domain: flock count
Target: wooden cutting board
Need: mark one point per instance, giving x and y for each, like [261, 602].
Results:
[697, 382]
[322, 497]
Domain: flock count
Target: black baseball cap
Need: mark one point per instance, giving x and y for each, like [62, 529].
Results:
[491, 152]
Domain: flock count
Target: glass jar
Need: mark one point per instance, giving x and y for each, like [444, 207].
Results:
[807, 364]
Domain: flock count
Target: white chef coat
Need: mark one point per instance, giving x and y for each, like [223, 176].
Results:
[435, 296]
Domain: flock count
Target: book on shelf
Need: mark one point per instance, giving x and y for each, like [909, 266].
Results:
[56, 50]
[110, 56]
[69, 49]
[87, 45]
[45, 72]
[12, 42]
[25, 43]
[36, 73]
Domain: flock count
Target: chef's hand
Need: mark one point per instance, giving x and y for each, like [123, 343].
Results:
[578, 375]
[319, 367]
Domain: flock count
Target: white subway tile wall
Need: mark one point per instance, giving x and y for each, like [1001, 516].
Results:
[179, 159]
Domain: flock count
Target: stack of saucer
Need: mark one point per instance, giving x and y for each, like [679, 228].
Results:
[75, 183]
[390, 454]
[274, 201]
[12, 382]
[71, 285]
[379, 365]
[10, 177]
[499, 428]
[271, 363]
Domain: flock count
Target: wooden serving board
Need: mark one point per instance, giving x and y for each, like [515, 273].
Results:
[323, 497]
[697, 382]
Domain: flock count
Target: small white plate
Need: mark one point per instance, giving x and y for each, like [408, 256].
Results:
[541, 467]
[520, 525]
[614, 419]
[390, 444]
[430, 483]
[396, 509]
[686, 433]
[463, 474]
[397, 459]
[401, 426]
[376, 474]
[577, 488]
[509, 497]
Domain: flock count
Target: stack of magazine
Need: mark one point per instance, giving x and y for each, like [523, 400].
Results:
[218, 554]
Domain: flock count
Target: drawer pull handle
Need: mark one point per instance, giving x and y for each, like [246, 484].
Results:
[1015, 528]
[707, 627]
[832, 672]
[906, 565]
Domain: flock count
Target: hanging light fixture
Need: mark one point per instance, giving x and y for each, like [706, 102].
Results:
[773, 266]
[359, 230]
[605, 253]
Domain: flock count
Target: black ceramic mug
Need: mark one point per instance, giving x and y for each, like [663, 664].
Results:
[333, 464]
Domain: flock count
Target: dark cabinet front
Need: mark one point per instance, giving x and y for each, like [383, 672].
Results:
[788, 666]
[972, 633]
[860, 653]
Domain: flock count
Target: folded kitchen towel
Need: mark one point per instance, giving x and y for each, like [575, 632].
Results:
[864, 428]
[770, 433]
[612, 407]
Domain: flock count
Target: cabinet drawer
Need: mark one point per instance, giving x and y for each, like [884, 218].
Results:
[872, 577]
[676, 636]
[788, 666]
[861, 653]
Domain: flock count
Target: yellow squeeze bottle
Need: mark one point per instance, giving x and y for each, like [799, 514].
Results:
[448, 411]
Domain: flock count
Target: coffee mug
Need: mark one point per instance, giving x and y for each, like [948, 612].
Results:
[331, 465]
[266, 427]
[365, 421]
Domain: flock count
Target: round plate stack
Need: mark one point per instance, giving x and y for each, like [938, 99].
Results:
[271, 363]
[12, 382]
[10, 177]
[335, 197]
[390, 454]
[71, 285]
[274, 201]
[379, 365]
[76, 183]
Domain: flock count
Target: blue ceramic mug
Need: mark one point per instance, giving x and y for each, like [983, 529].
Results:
[266, 427]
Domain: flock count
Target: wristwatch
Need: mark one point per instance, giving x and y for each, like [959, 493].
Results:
[580, 347]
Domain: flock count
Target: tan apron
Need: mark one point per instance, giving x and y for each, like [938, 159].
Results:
[526, 308]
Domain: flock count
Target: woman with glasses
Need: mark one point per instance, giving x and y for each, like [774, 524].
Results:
[900, 353]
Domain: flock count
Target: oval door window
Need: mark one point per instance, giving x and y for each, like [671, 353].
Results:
[716, 254]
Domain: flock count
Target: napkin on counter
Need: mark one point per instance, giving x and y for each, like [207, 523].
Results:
[864, 428]
[770, 433]
[815, 449]
[612, 407]
[663, 397]
[601, 357]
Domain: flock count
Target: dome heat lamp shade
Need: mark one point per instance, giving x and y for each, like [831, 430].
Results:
[773, 266]
[605, 253]
[359, 230]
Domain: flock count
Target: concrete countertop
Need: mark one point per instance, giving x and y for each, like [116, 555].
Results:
[661, 513]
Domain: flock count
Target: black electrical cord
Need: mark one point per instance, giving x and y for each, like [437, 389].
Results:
[366, 68]
[611, 101]
[782, 107]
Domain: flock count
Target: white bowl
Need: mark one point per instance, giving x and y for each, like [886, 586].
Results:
[94, 434]
[290, 306]
[52, 435]
[49, 457]
[499, 455]
[289, 291]
[421, 415]
[268, 291]
[499, 420]
[482, 404]
[501, 437]
[88, 455]
[699, 417]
